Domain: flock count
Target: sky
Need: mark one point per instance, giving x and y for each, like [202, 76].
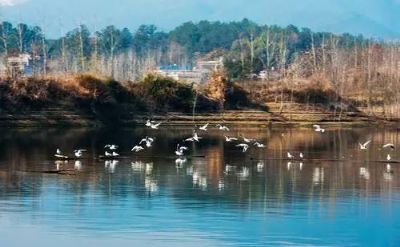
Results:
[377, 18]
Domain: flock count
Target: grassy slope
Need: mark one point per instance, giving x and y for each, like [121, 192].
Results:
[87, 100]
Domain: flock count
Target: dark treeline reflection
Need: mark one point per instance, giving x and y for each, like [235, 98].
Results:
[260, 178]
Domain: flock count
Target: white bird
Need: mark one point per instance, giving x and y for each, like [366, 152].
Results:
[148, 140]
[259, 145]
[290, 156]
[389, 145]
[244, 146]
[137, 148]
[230, 139]
[60, 155]
[190, 139]
[301, 155]
[107, 154]
[194, 138]
[204, 127]
[364, 146]
[247, 140]
[318, 128]
[388, 158]
[148, 123]
[180, 150]
[155, 126]
[114, 154]
[78, 153]
[222, 127]
[111, 146]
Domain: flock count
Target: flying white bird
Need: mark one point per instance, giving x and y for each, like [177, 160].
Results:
[389, 145]
[194, 138]
[364, 146]
[222, 127]
[148, 140]
[180, 150]
[247, 140]
[230, 139]
[148, 123]
[137, 148]
[60, 155]
[204, 127]
[244, 146]
[78, 153]
[259, 145]
[155, 126]
[318, 128]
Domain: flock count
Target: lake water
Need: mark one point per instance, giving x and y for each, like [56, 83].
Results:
[338, 195]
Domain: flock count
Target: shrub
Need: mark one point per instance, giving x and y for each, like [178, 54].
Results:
[164, 94]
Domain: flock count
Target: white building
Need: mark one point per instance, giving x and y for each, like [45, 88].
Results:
[16, 66]
[197, 74]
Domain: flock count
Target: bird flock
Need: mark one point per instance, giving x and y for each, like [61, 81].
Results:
[241, 142]
[388, 146]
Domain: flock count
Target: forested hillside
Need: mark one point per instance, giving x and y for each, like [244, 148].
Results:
[353, 68]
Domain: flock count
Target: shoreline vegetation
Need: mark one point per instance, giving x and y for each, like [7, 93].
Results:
[88, 100]
[268, 74]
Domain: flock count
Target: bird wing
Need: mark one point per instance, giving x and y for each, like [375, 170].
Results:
[391, 145]
[366, 143]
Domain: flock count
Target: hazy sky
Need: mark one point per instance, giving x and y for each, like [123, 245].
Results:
[370, 17]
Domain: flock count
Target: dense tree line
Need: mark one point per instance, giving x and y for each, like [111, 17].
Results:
[247, 47]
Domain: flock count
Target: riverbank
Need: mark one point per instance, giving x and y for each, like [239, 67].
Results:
[86, 101]
[69, 118]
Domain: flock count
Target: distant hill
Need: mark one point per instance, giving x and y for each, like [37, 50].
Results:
[359, 24]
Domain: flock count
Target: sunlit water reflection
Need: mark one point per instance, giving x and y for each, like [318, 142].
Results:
[215, 196]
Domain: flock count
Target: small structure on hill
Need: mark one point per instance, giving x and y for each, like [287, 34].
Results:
[197, 74]
[16, 66]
